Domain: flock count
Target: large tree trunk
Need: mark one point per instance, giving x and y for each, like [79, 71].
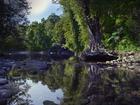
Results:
[95, 54]
[93, 25]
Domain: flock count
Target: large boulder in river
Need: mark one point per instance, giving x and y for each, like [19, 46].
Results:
[58, 52]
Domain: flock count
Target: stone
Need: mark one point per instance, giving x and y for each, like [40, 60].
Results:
[131, 53]
[49, 103]
[131, 67]
[3, 81]
[124, 64]
[98, 56]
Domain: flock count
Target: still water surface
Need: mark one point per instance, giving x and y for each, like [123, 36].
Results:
[72, 82]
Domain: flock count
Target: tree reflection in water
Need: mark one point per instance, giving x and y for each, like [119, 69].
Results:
[111, 86]
[88, 84]
[21, 97]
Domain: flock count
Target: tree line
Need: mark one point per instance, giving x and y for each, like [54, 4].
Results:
[116, 23]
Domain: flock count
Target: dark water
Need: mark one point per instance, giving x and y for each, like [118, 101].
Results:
[71, 82]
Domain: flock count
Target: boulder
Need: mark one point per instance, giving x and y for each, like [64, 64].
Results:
[58, 52]
[49, 103]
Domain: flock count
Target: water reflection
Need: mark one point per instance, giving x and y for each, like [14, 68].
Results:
[112, 87]
[39, 93]
[32, 93]
[68, 83]
[33, 89]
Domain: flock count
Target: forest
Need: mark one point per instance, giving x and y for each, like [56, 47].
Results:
[88, 55]
[119, 26]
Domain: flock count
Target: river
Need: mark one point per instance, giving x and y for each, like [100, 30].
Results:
[68, 82]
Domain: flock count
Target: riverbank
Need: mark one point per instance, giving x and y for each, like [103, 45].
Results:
[127, 57]
[123, 57]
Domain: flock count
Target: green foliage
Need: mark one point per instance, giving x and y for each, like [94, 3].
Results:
[119, 22]
[120, 26]
[35, 37]
[76, 32]
[63, 30]
[13, 17]
[41, 36]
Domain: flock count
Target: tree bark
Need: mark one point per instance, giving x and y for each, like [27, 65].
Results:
[93, 24]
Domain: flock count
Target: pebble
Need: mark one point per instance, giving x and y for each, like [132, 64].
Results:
[131, 67]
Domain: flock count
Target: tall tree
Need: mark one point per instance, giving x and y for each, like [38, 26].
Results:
[93, 24]
[12, 14]
[73, 32]
[117, 22]
[41, 36]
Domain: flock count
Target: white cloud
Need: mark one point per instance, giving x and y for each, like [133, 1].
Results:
[38, 6]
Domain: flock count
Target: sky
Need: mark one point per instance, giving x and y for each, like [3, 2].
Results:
[42, 9]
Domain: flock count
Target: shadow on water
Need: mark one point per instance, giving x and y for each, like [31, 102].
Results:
[74, 83]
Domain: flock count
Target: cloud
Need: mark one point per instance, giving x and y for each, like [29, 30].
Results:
[39, 6]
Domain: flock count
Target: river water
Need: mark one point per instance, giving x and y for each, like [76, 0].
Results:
[73, 82]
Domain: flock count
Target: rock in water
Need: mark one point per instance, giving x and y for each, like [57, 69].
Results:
[98, 56]
[58, 52]
[49, 103]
